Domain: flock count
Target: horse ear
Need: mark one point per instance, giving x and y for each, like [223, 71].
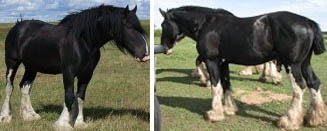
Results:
[126, 10]
[163, 13]
[135, 8]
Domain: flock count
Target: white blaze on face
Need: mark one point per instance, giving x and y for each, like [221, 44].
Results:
[146, 46]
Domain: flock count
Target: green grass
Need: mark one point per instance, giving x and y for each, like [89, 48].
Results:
[117, 97]
[183, 101]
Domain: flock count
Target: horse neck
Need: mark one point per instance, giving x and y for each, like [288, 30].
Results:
[189, 27]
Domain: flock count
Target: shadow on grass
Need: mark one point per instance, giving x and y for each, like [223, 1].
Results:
[200, 106]
[191, 80]
[97, 113]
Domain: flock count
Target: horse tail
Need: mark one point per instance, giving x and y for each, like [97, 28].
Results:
[318, 41]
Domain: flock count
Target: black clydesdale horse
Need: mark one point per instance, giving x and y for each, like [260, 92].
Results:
[223, 38]
[72, 48]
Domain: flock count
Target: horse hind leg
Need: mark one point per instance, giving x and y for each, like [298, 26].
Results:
[26, 110]
[265, 72]
[294, 118]
[316, 113]
[12, 66]
[199, 72]
[248, 70]
[275, 75]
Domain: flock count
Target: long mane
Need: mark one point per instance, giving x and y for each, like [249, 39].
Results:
[199, 9]
[84, 25]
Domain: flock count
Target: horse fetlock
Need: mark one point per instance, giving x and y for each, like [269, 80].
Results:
[277, 79]
[62, 126]
[29, 115]
[292, 121]
[230, 107]
[214, 115]
[5, 118]
[204, 81]
[316, 114]
[195, 74]
[80, 124]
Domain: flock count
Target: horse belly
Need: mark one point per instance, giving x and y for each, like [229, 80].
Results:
[42, 59]
[245, 56]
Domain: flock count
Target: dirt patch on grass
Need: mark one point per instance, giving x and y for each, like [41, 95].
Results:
[260, 96]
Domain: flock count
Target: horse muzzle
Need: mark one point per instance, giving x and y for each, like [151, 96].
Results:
[169, 51]
[144, 59]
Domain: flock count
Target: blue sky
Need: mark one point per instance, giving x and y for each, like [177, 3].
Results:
[54, 10]
[313, 9]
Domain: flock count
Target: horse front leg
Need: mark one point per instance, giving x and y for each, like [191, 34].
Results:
[199, 72]
[69, 114]
[217, 111]
[230, 107]
[82, 83]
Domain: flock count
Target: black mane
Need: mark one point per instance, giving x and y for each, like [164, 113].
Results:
[86, 25]
[199, 9]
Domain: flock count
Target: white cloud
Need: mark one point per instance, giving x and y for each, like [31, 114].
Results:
[313, 9]
[54, 10]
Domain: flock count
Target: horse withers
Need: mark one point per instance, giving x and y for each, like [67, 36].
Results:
[72, 48]
[224, 38]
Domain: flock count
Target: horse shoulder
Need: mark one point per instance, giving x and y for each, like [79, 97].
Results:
[209, 43]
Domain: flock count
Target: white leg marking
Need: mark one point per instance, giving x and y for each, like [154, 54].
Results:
[265, 73]
[275, 75]
[217, 111]
[80, 119]
[200, 72]
[294, 118]
[26, 110]
[5, 115]
[63, 123]
[229, 105]
[259, 68]
[316, 113]
[247, 71]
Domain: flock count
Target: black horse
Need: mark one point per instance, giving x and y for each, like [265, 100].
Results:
[223, 38]
[72, 48]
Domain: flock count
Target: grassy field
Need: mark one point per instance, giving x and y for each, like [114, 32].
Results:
[183, 101]
[117, 98]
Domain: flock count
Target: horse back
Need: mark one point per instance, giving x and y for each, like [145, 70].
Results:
[36, 44]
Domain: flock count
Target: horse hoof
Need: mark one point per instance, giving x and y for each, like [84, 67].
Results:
[214, 116]
[61, 126]
[263, 79]
[230, 110]
[80, 125]
[276, 82]
[30, 116]
[5, 118]
[315, 116]
[286, 124]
